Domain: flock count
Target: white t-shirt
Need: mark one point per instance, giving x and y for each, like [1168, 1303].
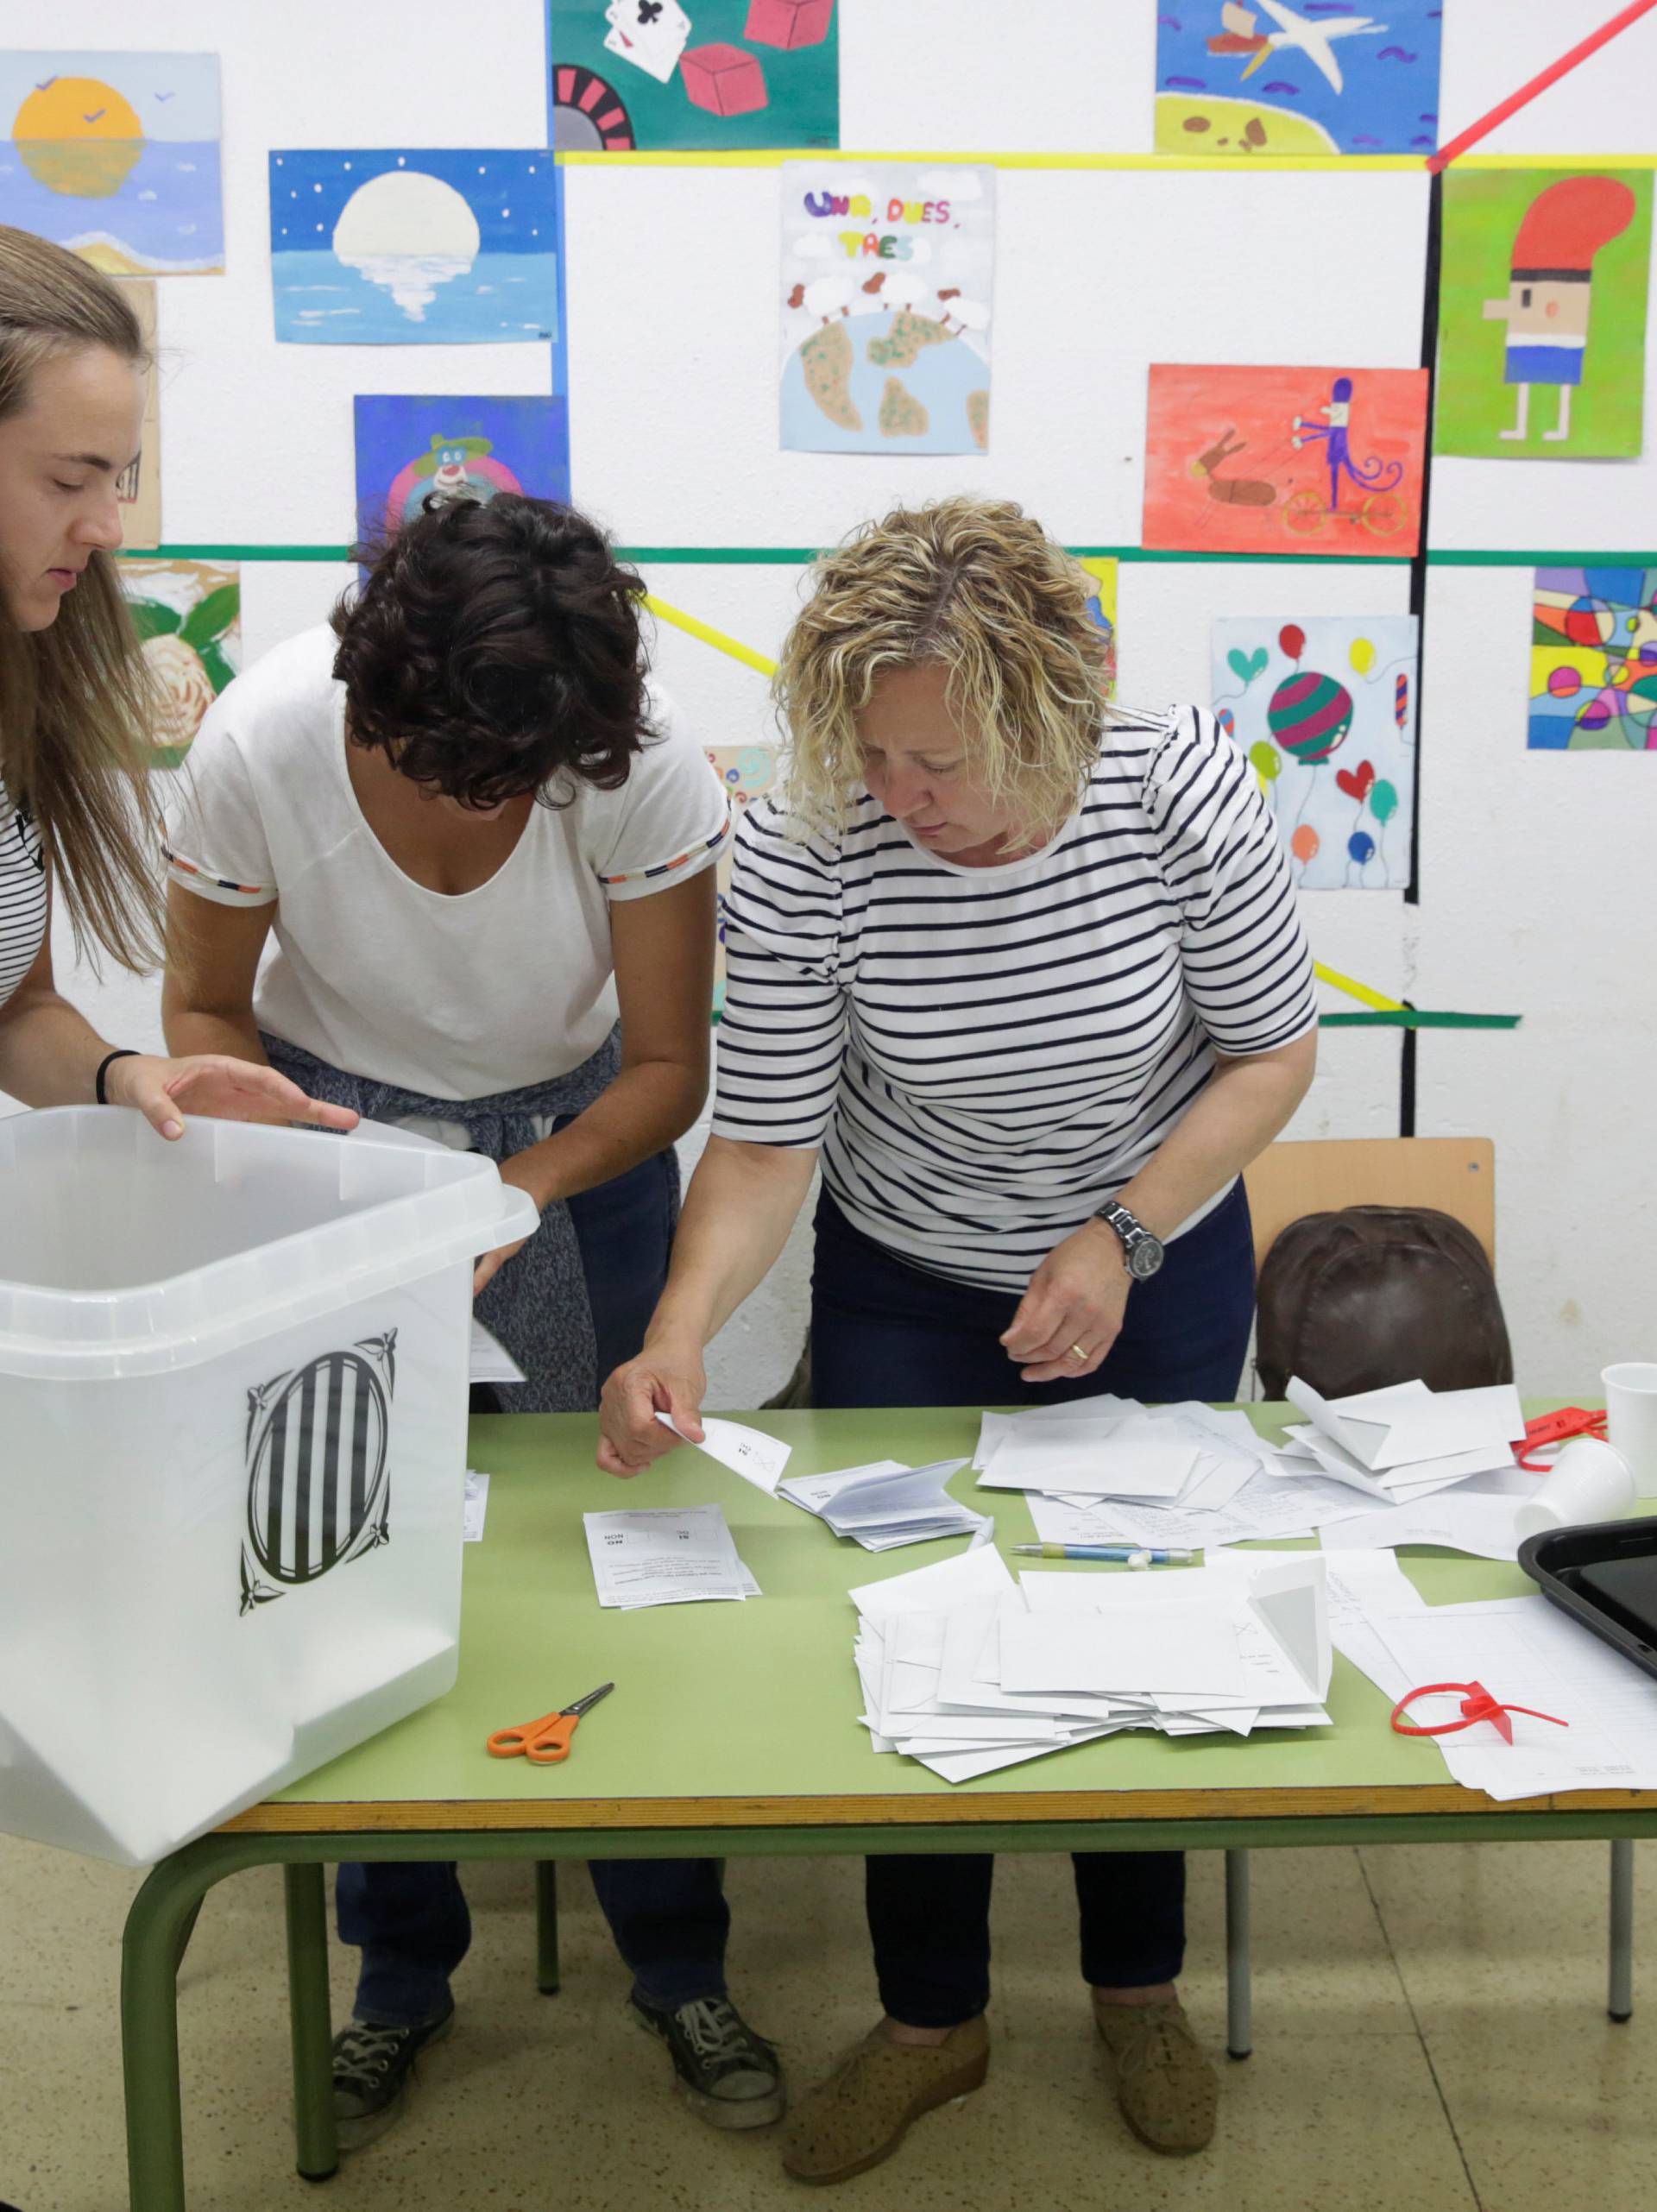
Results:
[456, 997]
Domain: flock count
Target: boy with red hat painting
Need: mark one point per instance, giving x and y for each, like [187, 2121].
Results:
[1546, 306]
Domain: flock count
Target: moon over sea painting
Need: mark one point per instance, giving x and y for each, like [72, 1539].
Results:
[115, 156]
[439, 246]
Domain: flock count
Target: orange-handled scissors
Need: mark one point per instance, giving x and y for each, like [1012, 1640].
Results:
[546, 1740]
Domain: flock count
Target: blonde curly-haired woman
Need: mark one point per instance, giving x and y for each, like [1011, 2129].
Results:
[1024, 971]
[76, 706]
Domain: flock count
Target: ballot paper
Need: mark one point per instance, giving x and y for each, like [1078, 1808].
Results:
[1457, 1521]
[885, 1503]
[1264, 1508]
[967, 1672]
[490, 1360]
[759, 1458]
[664, 1555]
[477, 1504]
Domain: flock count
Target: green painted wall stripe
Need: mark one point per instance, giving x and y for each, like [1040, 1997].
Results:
[796, 556]
[1412, 1018]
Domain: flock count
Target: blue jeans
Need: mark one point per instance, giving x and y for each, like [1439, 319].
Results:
[669, 1916]
[885, 1333]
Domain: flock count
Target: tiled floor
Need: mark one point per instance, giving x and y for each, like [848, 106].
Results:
[1430, 2034]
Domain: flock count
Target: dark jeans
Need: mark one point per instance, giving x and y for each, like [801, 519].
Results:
[885, 1333]
[669, 1916]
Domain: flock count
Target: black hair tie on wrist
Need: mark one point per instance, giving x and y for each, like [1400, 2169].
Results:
[122, 1052]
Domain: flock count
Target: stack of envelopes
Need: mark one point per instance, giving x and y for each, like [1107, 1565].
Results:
[967, 1671]
[1108, 1470]
[1403, 1443]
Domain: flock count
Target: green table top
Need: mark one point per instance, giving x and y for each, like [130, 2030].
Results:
[745, 1715]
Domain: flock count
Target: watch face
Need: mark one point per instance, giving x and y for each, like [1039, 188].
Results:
[1145, 1258]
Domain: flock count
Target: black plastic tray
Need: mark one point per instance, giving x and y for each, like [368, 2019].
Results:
[1554, 1560]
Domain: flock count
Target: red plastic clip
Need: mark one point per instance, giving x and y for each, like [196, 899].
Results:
[1556, 1429]
[1477, 1704]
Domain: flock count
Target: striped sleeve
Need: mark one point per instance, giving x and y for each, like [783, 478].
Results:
[1246, 965]
[781, 1037]
[212, 833]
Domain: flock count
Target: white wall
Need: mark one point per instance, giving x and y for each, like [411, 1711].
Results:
[1534, 895]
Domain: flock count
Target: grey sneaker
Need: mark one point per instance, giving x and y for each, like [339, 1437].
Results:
[727, 2075]
[372, 2066]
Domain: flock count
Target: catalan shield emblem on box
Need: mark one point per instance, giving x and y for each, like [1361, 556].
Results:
[318, 1460]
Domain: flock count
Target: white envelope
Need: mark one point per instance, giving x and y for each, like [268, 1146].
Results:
[1407, 1423]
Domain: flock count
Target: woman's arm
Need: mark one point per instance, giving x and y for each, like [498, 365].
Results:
[50, 1055]
[663, 949]
[1079, 1294]
[741, 1205]
[214, 960]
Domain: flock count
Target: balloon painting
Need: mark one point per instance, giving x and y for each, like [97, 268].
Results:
[1324, 711]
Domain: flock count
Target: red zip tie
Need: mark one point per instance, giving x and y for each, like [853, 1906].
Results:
[1478, 1705]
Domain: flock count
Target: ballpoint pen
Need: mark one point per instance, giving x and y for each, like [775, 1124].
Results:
[1126, 1554]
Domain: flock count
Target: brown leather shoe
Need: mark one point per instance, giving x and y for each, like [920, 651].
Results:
[863, 2111]
[1166, 2087]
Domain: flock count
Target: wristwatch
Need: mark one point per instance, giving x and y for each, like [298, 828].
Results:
[1141, 1253]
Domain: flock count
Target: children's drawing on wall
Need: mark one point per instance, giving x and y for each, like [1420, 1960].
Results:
[115, 156]
[644, 74]
[138, 487]
[1542, 313]
[1593, 661]
[1276, 460]
[436, 248]
[886, 286]
[1325, 709]
[1315, 79]
[188, 614]
[1101, 606]
[411, 451]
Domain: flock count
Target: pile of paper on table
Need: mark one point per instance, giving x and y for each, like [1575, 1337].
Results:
[664, 1555]
[1108, 1470]
[886, 1503]
[1524, 1652]
[1403, 1448]
[967, 1671]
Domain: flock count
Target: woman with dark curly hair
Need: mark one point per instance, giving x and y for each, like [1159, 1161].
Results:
[449, 861]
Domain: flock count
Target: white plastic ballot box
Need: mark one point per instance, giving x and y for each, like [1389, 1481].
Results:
[233, 1401]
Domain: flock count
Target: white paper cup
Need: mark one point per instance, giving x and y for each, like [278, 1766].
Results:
[1589, 1481]
[1631, 1403]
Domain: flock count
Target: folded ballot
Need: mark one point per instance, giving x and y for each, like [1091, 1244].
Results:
[967, 1671]
[885, 1503]
[759, 1458]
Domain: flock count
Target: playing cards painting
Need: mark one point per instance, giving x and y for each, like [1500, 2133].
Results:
[641, 75]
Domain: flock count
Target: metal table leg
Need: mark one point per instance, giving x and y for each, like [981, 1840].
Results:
[1620, 2001]
[546, 1926]
[1239, 1995]
[316, 2133]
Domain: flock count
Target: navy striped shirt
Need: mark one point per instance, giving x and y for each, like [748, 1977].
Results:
[986, 1055]
[23, 896]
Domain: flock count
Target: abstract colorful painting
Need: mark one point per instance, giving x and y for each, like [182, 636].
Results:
[643, 75]
[1285, 460]
[188, 614]
[1542, 313]
[138, 488]
[436, 248]
[1325, 709]
[115, 156]
[1593, 661]
[410, 451]
[887, 277]
[1266, 78]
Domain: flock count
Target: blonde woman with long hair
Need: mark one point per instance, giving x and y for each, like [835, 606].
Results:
[75, 707]
[1022, 970]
